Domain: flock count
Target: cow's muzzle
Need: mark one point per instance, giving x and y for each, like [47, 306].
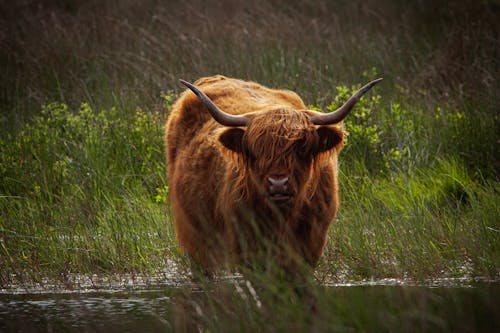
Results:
[279, 189]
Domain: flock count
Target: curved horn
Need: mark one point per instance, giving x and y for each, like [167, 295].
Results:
[220, 116]
[342, 112]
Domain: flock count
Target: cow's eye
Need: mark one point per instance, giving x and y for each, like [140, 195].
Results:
[305, 156]
[303, 152]
[250, 157]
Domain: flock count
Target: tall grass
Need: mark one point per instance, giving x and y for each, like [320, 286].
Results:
[433, 222]
[87, 85]
[119, 52]
[84, 192]
[242, 307]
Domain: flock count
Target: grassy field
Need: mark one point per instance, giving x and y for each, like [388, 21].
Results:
[86, 88]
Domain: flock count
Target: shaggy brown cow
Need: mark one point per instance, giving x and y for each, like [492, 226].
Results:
[250, 167]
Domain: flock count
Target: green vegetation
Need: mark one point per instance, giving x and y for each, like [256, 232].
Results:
[87, 86]
[84, 191]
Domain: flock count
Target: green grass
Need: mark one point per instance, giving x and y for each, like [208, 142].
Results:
[87, 87]
[84, 191]
[431, 223]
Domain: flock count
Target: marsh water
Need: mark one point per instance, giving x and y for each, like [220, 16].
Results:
[365, 306]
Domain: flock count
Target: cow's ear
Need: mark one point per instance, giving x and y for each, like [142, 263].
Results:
[329, 138]
[232, 139]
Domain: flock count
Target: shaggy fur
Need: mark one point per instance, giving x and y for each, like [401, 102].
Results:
[218, 176]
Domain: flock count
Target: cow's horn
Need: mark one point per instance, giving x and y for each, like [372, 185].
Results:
[220, 116]
[342, 112]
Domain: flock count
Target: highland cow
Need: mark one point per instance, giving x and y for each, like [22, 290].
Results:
[252, 171]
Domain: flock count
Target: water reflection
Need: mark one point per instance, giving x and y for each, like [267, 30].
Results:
[236, 306]
[102, 312]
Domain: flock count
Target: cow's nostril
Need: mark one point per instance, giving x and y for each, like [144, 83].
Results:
[278, 185]
[278, 181]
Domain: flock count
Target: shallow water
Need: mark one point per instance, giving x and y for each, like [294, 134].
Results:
[91, 312]
[385, 305]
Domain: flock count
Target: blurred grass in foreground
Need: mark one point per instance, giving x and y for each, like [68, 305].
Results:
[239, 306]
